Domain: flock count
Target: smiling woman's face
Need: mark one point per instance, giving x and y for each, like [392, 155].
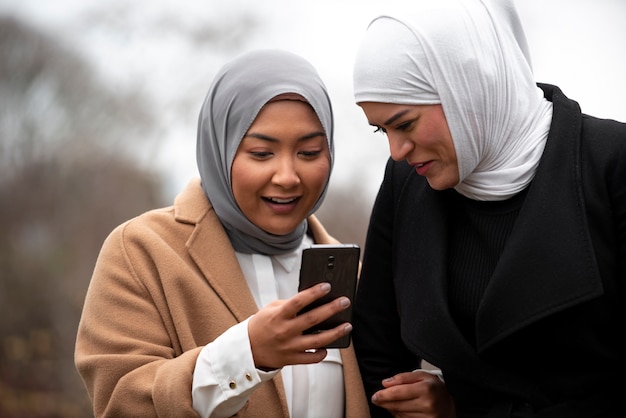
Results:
[420, 135]
[281, 166]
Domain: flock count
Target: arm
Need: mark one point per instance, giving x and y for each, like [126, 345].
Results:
[124, 352]
[227, 371]
[377, 341]
[225, 375]
[128, 345]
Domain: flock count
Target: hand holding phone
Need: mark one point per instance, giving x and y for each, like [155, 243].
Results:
[337, 264]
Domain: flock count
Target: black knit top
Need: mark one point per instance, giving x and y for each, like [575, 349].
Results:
[477, 236]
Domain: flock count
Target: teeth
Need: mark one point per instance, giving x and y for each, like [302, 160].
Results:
[275, 200]
[420, 165]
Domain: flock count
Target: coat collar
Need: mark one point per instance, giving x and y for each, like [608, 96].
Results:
[211, 250]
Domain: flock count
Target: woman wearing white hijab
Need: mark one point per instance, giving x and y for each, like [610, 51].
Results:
[191, 310]
[497, 244]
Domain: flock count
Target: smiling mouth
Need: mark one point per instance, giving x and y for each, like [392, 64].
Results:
[422, 168]
[281, 201]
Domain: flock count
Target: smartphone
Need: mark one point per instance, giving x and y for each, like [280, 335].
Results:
[337, 264]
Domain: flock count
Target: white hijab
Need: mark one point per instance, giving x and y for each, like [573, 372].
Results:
[471, 57]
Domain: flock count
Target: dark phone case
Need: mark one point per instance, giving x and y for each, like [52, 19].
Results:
[338, 265]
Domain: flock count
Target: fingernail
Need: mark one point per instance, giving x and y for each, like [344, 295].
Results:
[347, 328]
[325, 287]
[374, 397]
[345, 302]
[388, 380]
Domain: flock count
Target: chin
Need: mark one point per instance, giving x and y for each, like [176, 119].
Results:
[436, 186]
[280, 230]
[441, 185]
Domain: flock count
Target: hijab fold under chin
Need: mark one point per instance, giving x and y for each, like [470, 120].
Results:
[471, 57]
[238, 92]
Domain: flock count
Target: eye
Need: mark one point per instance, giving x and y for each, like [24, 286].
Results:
[261, 155]
[310, 154]
[404, 126]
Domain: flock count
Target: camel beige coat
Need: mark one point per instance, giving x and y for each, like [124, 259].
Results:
[165, 284]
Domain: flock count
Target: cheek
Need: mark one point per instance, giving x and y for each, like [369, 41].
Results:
[319, 174]
[314, 178]
[244, 182]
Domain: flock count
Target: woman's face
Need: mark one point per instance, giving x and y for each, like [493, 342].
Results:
[281, 166]
[420, 135]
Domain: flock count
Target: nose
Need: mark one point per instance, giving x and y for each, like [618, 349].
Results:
[286, 174]
[399, 146]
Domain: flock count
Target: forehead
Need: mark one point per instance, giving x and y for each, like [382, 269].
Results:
[385, 113]
[287, 111]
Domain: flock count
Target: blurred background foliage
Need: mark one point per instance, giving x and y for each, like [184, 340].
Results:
[66, 179]
[74, 163]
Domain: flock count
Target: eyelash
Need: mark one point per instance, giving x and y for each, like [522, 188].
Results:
[404, 126]
[310, 154]
[305, 154]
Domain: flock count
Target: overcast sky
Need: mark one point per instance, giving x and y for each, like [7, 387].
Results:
[575, 44]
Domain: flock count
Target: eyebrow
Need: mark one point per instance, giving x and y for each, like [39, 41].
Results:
[272, 139]
[396, 117]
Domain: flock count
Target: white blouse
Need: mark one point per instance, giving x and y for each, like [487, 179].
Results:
[225, 375]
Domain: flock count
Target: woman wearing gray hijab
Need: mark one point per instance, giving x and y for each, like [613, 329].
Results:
[191, 310]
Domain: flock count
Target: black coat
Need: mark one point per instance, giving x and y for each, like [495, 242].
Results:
[549, 325]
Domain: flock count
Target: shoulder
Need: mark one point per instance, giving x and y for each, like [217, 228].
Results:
[603, 134]
[169, 226]
[401, 182]
[601, 141]
[398, 174]
[320, 234]
[603, 149]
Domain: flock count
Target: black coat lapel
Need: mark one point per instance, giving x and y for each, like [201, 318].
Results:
[427, 326]
[548, 263]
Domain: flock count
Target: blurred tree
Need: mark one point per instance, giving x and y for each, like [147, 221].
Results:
[67, 177]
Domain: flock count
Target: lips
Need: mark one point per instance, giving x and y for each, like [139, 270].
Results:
[281, 205]
[422, 168]
[281, 201]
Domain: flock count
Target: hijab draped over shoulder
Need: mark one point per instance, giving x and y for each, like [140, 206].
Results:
[238, 92]
[471, 57]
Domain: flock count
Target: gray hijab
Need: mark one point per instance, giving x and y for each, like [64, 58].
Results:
[238, 92]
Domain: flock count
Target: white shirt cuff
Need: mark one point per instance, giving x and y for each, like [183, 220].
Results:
[225, 375]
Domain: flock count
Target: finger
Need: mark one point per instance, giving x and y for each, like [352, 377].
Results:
[318, 340]
[405, 391]
[296, 303]
[317, 315]
[407, 378]
[395, 406]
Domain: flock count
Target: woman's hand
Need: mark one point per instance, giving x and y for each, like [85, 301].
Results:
[415, 394]
[276, 335]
